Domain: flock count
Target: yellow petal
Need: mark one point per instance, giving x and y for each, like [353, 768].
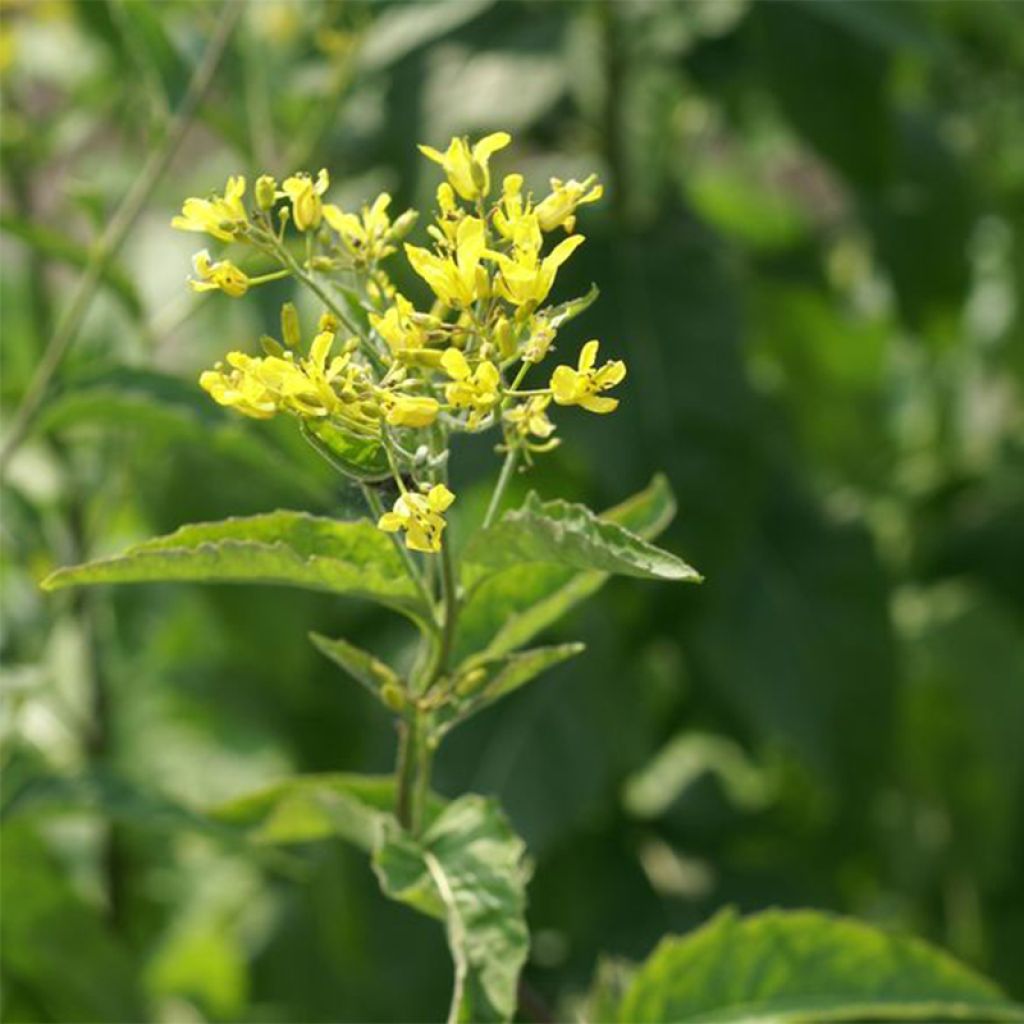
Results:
[439, 498]
[588, 356]
[564, 385]
[455, 365]
[597, 403]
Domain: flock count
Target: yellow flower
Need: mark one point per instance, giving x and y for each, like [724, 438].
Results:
[583, 385]
[530, 417]
[223, 275]
[509, 213]
[477, 390]
[397, 327]
[240, 388]
[466, 167]
[525, 277]
[215, 216]
[559, 208]
[367, 236]
[304, 193]
[456, 280]
[411, 410]
[420, 515]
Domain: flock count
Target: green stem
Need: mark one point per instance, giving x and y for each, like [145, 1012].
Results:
[499, 489]
[412, 771]
[117, 230]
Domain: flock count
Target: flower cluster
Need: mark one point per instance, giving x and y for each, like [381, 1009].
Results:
[383, 383]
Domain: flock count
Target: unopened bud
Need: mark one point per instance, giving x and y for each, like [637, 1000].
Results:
[291, 331]
[403, 225]
[392, 696]
[328, 322]
[322, 263]
[271, 346]
[505, 338]
[266, 192]
[470, 682]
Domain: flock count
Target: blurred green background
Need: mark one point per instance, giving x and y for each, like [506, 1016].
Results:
[810, 254]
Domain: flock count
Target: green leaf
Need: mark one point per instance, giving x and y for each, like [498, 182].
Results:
[479, 682]
[306, 808]
[805, 967]
[287, 548]
[507, 609]
[57, 246]
[563, 533]
[362, 666]
[361, 457]
[468, 869]
[566, 311]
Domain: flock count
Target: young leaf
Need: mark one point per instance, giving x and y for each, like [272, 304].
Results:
[479, 682]
[805, 967]
[467, 869]
[563, 533]
[287, 548]
[362, 666]
[508, 608]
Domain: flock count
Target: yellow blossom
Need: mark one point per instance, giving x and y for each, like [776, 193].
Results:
[367, 236]
[525, 277]
[411, 410]
[530, 417]
[217, 215]
[509, 213]
[467, 167]
[583, 386]
[457, 280]
[559, 208]
[477, 390]
[304, 193]
[397, 327]
[421, 517]
[449, 215]
[223, 276]
[240, 387]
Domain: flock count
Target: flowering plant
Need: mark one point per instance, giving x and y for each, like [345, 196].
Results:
[379, 391]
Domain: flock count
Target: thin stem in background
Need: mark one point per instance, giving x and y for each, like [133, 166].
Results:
[117, 230]
[500, 487]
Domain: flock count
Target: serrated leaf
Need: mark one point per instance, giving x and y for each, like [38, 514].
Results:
[805, 967]
[479, 682]
[287, 548]
[362, 666]
[467, 868]
[507, 609]
[564, 533]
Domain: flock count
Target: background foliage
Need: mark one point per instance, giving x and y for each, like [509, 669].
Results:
[810, 255]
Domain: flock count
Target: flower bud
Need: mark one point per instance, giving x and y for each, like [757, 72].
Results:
[266, 192]
[403, 225]
[290, 328]
[505, 338]
[327, 322]
[392, 696]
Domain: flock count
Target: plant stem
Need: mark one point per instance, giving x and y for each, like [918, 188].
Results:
[405, 768]
[499, 488]
[117, 230]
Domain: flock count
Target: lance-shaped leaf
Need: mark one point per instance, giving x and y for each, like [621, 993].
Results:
[566, 311]
[804, 967]
[306, 808]
[509, 607]
[562, 533]
[287, 548]
[479, 682]
[362, 666]
[468, 869]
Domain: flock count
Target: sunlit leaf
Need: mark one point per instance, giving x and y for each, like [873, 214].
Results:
[804, 967]
[287, 548]
[467, 869]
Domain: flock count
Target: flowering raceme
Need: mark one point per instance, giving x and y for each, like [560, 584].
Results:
[385, 384]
